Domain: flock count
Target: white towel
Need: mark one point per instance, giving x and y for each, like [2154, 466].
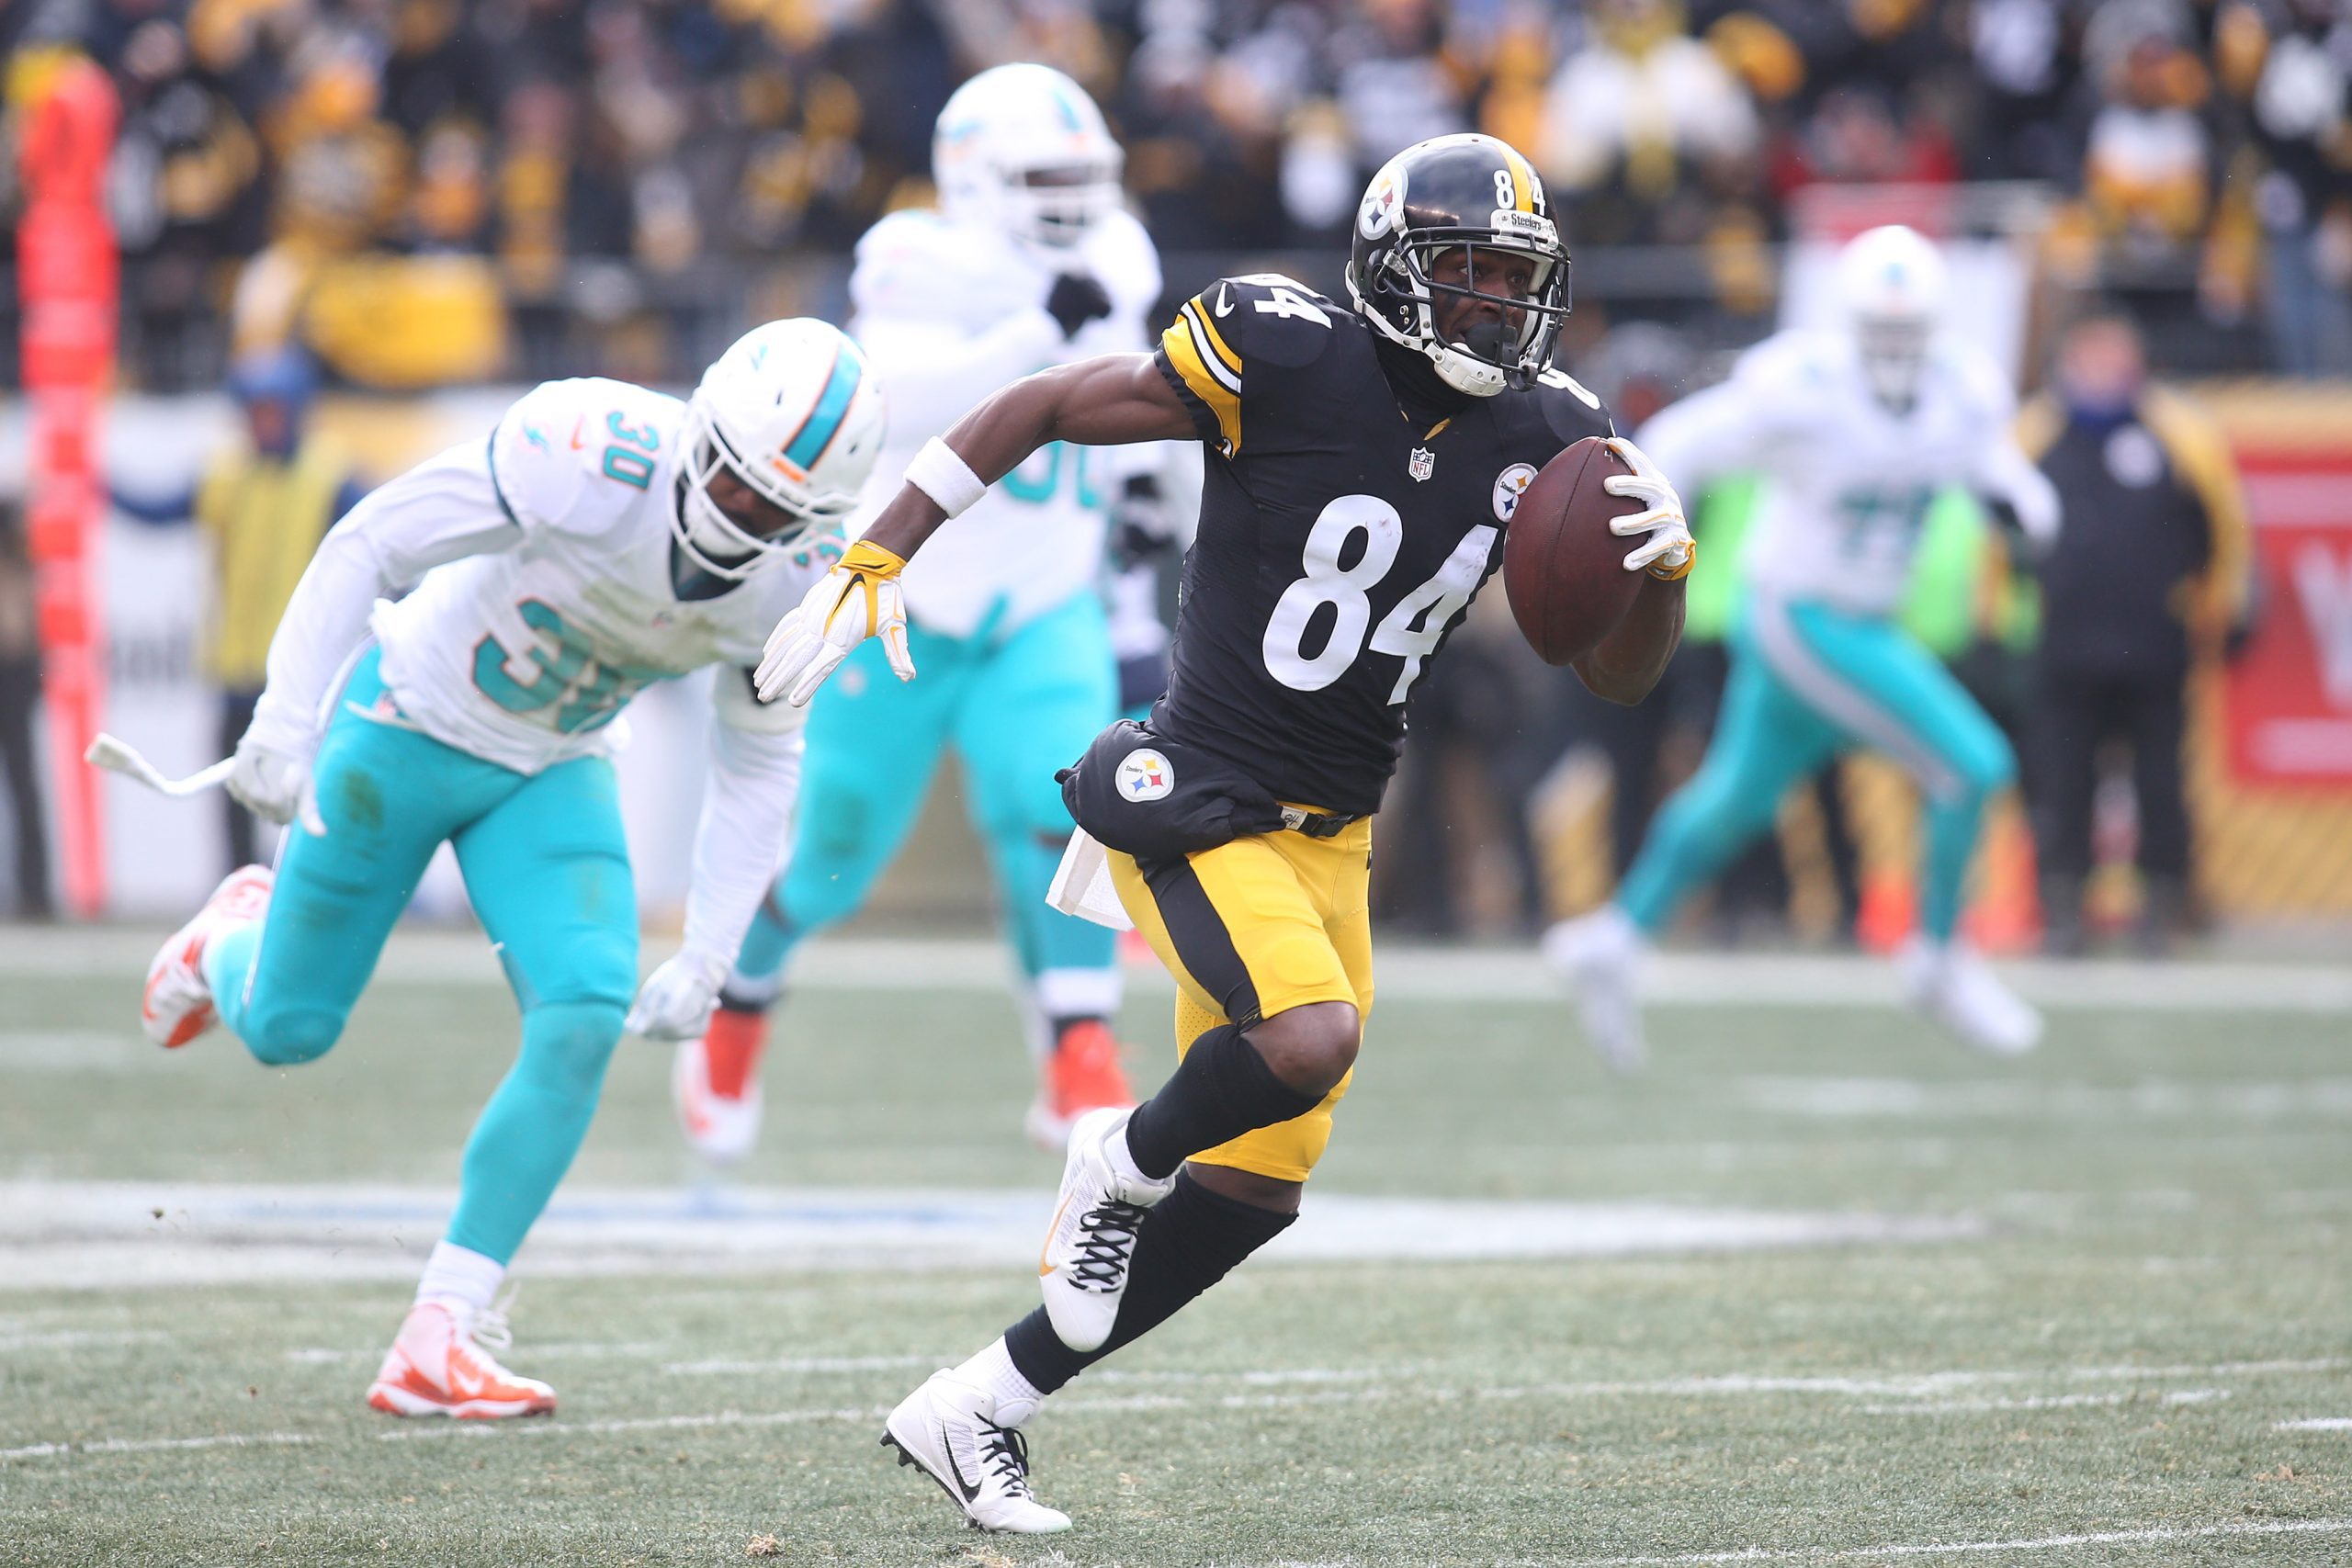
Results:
[1082, 885]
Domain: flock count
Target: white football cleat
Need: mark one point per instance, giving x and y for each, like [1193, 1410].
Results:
[1599, 955]
[1083, 1270]
[177, 1005]
[1956, 989]
[722, 1128]
[437, 1366]
[948, 1428]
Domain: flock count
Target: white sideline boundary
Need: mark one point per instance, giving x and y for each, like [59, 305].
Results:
[1970, 1547]
[1371, 1392]
[1674, 978]
[88, 1234]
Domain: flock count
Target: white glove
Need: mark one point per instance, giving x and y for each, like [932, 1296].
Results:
[674, 1003]
[275, 785]
[857, 600]
[1669, 550]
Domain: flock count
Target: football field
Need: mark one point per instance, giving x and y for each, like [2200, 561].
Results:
[1820, 1288]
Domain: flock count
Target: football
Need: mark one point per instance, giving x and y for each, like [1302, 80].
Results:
[1563, 570]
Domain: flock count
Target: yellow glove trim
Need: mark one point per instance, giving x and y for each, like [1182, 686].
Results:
[861, 566]
[1665, 573]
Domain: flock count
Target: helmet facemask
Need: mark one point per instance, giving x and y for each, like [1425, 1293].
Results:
[1057, 206]
[1893, 351]
[1403, 294]
[710, 537]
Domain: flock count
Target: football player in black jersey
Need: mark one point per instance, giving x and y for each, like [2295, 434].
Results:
[1364, 465]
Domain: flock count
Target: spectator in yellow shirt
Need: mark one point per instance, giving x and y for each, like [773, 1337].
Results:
[263, 502]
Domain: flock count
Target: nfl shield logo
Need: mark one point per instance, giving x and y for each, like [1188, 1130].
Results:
[1424, 463]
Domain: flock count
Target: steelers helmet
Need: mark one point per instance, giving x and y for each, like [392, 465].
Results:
[1475, 194]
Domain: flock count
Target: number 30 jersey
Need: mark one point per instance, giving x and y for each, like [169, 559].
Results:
[521, 653]
[1341, 538]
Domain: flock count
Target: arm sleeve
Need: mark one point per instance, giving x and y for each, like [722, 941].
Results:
[1197, 359]
[2004, 474]
[755, 751]
[935, 374]
[1705, 436]
[443, 510]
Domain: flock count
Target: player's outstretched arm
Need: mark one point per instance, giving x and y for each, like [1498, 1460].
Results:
[1114, 401]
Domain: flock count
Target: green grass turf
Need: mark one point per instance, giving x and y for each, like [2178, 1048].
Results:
[2164, 1196]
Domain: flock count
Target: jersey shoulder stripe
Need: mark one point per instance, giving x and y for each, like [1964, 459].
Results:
[1208, 368]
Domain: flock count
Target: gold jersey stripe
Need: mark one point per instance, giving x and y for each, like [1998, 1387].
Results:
[1208, 330]
[1522, 178]
[1182, 346]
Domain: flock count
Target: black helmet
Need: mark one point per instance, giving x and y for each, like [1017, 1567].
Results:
[1467, 192]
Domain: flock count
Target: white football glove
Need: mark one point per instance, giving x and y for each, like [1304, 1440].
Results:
[674, 1003]
[275, 785]
[1670, 550]
[858, 599]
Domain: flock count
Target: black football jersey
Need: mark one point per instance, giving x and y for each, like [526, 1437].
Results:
[1341, 540]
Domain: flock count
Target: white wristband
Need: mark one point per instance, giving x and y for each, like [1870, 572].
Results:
[940, 474]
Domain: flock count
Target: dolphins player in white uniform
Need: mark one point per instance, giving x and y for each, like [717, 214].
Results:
[1029, 260]
[604, 537]
[1854, 431]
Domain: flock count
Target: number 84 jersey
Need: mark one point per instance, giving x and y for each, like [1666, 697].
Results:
[524, 652]
[1341, 537]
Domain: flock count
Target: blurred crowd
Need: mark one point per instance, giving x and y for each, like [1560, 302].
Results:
[576, 152]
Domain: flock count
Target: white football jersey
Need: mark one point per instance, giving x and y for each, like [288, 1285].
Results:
[948, 313]
[1847, 482]
[524, 656]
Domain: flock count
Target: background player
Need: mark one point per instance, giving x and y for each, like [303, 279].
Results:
[1857, 432]
[1364, 464]
[605, 536]
[1029, 260]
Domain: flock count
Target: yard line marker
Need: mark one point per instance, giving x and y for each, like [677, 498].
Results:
[802, 1364]
[2045, 1401]
[1937, 1549]
[78, 1339]
[1370, 1392]
[634, 1423]
[2317, 1423]
[160, 1445]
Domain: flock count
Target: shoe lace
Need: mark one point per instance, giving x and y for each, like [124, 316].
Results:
[1106, 1240]
[1004, 1453]
[489, 1327]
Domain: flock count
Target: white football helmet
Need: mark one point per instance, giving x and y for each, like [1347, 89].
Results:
[793, 410]
[1022, 148]
[1891, 284]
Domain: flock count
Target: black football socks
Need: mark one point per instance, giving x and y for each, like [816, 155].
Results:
[1221, 1090]
[1192, 1239]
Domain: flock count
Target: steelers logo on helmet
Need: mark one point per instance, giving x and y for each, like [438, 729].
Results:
[1383, 200]
[1455, 256]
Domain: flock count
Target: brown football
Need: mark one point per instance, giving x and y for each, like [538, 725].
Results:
[1563, 569]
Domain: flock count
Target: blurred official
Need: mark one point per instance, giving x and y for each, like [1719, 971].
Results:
[2150, 570]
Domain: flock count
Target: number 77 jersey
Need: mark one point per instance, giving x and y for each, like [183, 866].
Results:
[1342, 533]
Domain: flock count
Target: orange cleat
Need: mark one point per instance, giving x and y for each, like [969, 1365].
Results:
[1082, 1074]
[714, 1084]
[176, 1006]
[437, 1366]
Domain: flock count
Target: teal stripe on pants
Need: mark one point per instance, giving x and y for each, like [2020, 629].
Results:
[1809, 681]
[546, 867]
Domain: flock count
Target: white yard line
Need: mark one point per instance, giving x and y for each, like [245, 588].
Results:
[2046, 1402]
[2317, 1423]
[1939, 1549]
[1370, 1390]
[444, 956]
[78, 1339]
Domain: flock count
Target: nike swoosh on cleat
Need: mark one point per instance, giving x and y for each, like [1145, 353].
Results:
[970, 1489]
[1045, 1270]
